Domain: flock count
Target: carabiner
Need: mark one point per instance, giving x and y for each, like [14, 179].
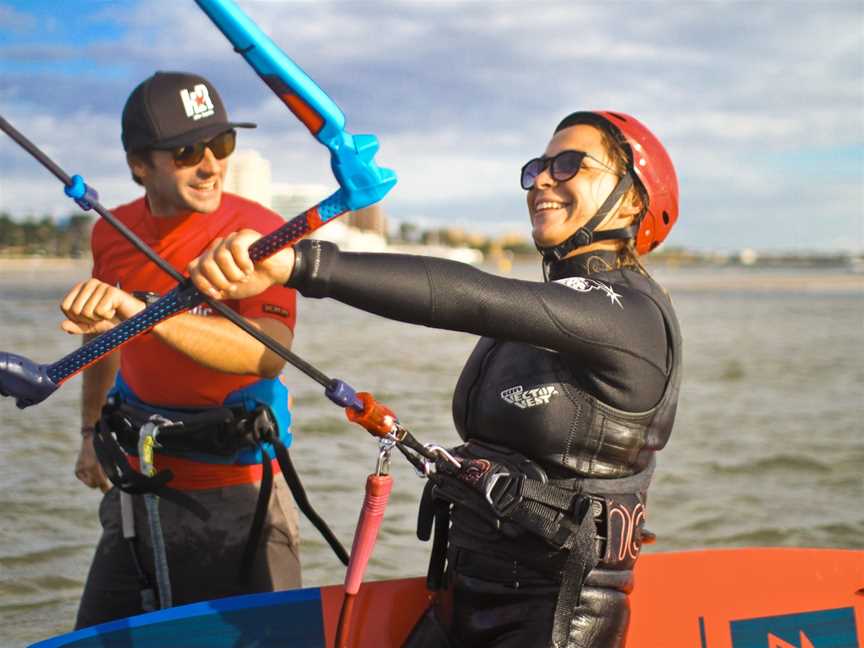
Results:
[385, 446]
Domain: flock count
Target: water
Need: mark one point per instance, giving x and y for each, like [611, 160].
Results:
[767, 449]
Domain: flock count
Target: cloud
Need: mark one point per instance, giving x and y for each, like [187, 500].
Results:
[461, 93]
[17, 21]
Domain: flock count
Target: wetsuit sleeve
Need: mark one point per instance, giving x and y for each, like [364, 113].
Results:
[445, 294]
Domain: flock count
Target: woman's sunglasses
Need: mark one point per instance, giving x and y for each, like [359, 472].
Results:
[562, 167]
[222, 146]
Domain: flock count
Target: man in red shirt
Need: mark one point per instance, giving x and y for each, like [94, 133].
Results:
[178, 139]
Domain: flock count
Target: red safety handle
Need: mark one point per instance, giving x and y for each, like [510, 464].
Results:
[378, 489]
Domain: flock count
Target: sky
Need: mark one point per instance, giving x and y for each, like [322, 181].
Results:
[760, 104]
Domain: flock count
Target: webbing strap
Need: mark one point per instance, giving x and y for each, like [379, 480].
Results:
[552, 525]
[549, 494]
[299, 493]
[438, 557]
[258, 519]
[127, 517]
[581, 559]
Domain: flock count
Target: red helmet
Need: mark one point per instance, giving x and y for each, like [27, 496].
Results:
[653, 168]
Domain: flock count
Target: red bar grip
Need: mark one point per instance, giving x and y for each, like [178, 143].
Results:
[378, 489]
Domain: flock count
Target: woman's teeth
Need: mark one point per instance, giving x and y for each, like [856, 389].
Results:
[547, 204]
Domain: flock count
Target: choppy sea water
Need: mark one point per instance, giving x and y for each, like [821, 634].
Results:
[768, 448]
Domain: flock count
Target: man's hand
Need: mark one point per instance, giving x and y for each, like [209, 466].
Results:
[225, 270]
[95, 307]
[87, 468]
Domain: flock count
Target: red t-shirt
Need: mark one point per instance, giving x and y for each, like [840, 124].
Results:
[157, 373]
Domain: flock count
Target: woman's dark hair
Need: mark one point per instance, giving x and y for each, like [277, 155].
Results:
[621, 156]
[144, 156]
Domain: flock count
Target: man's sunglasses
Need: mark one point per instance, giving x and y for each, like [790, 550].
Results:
[222, 146]
[562, 167]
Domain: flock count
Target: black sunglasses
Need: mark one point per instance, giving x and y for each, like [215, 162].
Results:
[222, 146]
[562, 167]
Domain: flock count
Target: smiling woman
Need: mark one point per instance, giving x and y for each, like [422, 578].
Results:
[562, 405]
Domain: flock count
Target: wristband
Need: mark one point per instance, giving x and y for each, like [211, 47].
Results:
[87, 430]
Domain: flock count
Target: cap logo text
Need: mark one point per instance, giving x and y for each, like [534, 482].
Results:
[197, 103]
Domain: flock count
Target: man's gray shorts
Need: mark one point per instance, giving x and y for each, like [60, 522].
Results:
[203, 557]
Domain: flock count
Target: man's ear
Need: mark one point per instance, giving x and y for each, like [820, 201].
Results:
[140, 165]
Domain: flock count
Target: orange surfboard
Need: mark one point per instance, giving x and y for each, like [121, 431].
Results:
[723, 598]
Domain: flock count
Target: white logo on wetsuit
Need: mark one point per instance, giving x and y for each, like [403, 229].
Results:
[531, 398]
[584, 285]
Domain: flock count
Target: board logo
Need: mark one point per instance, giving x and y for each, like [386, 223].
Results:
[817, 629]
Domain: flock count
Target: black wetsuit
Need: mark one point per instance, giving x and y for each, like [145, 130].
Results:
[579, 374]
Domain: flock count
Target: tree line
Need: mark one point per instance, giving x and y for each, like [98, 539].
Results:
[67, 237]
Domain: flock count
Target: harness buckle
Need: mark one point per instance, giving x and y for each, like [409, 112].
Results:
[147, 442]
[264, 426]
[503, 491]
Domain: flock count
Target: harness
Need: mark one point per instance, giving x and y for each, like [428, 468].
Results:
[249, 426]
[514, 496]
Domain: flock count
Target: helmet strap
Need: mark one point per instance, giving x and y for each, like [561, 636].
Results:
[585, 235]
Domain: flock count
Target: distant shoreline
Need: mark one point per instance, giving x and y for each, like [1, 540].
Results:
[794, 282]
[794, 279]
[48, 263]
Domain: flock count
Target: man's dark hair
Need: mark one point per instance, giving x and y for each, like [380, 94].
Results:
[143, 156]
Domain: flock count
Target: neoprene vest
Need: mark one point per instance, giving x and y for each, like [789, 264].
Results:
[531, 400]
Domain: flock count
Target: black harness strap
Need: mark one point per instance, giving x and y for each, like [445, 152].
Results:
[258, 519]
[264, 428]
[581, 559]
[299, 493]
[434, 513]
[120, 473]
[233, 431]
[497, 488]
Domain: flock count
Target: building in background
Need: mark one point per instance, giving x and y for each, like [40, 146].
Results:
[289, 200]
[249, 175]
[369, 219]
